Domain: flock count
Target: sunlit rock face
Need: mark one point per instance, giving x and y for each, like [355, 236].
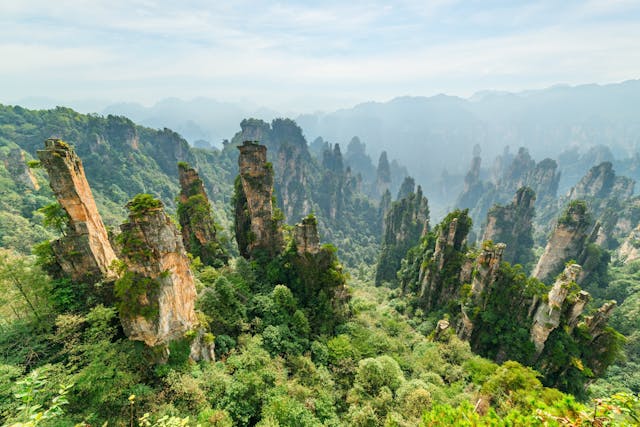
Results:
[158, 288]
[85, 253]
[572, 232]
[547, 316]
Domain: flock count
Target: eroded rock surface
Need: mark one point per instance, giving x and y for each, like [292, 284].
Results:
[85, 253]
[570, 236]
[547, 316]
[630, 249]
[15, 163]
[196, 221]
[513, 225]
[157, 292]
[405, 222]
[256, 227]
[307, 237]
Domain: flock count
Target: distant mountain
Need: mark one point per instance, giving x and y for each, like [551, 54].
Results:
[429, 134]
[201, 121]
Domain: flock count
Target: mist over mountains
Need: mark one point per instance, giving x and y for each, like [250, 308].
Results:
[434, 136]
[429, 134]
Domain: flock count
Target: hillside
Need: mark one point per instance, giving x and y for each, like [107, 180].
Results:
[182, 286]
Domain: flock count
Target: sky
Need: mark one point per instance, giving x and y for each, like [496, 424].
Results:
[307, 56]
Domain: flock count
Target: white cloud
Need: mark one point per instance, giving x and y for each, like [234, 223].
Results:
[279, 52]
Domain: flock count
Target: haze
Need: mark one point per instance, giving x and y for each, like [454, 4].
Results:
[296, 58]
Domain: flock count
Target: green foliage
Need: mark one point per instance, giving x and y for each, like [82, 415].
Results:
[32, 413]
[24, 289]
[404, 223]
[137, 295]
[55, 217]
[143, 203]
[575, 214]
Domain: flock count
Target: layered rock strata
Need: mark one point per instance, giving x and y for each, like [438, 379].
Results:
[84, 253]
[306, 236]
[157, 292]
[547, 316]
[572, 233]
[256, 227]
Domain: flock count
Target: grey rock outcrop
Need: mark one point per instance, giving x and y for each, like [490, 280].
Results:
[547, 316]
[256, 227]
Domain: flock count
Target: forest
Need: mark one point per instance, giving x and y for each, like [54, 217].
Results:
[283, 282]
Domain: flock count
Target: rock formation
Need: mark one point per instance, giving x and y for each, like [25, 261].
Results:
[405, 223]
[256, 227]
[600, 182]
[473, 185]
[157, 291]
[439, 277]
[513, 225]
[630, 249]
[85, 253]
[306, 236]
[503, 313]
[383, 174]
[547, 316]
[544, 180]
[194, 214]
[293, 180]
[571, 235]
[610, 200]
[16, 163]
[483, 274]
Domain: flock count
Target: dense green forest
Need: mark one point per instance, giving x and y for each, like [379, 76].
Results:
[276, 283]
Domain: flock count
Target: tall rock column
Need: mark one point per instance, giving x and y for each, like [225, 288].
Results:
[440, 275]
[306, 236]
[157, 291]
[513, 225]
[256, 228]
[85, 253]
[194, 213]
[547, 316]
[571, 234]
[484, 273]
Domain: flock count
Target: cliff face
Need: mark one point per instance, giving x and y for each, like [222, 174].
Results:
[194, 214]
[630, 249]
[473, 185]
[573, 232]
[610, 199]
[293, 180]
[15, 163]
[157, 292]
[256, 227]
[597, 183]
[508, 175]
[483, 273]
[544, 180]
[439, 277]
[503, 313]
[405, 222]
[383, 174]
[307, 237]
[85, 253]
[547, 316]
[513, 225]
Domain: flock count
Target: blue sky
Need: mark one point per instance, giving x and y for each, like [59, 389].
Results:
[303, 56]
